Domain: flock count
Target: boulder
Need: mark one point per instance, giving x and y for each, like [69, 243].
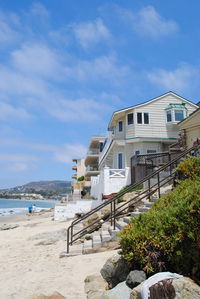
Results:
[115, 270]
[95, 285]
[134, 278]
[173, 288]
[121, 291]
[90, 220]
[186, 288]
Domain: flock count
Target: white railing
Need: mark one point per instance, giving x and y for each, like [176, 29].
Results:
[94, 151]
[106, 146]
[117, 173]
[92, 168]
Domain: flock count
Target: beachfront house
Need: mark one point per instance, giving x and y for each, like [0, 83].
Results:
[147, 128]
[190, 128]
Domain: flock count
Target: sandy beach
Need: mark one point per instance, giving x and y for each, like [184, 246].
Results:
[30, 263]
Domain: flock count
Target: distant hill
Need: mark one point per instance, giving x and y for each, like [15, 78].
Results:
[42, 186]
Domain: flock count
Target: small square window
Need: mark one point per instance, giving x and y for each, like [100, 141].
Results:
[179, 115]
[169, 116]
[139, 118]
[120, 126]
[130, 118]
[146, 118]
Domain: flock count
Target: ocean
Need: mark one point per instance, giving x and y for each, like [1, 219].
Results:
[12, 207]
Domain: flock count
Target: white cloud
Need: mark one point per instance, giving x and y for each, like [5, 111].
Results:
[39, 9]
[180, 79]
[17, 162]
[10, 112]
[91, 33]
[8, 29]
[78, 110]
[18, 167]
[103, 67]
[17, 157]
[150, 23]
[67, 152]
[36, 59]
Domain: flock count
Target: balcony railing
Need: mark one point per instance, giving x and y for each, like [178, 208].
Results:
[92, 168]
[94, 151]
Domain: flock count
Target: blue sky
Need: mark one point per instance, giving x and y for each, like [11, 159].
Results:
[65, 66]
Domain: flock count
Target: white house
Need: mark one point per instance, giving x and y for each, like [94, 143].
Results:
[149, 127]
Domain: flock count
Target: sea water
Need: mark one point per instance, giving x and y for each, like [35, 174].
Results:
[12, 207]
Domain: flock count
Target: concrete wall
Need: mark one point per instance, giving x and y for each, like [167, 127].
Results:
[110, 181]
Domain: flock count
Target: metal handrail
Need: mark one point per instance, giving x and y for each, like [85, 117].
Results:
[112, 202]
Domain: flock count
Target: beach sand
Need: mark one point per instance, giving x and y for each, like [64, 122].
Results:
[27, 268]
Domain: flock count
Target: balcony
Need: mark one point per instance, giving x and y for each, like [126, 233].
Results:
[74, 168]
[91, 170]
[74, 176]
[94, 151]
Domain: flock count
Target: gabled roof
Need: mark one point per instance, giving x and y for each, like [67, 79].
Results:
[189, 116]
[149, 101]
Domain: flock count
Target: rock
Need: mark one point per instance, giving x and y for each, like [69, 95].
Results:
[134, 278]
[8, 226]
[90, 220]
[121, 291]
[95, 285]
[178, 288]
[115, 270]
[55, 295]
[186, 288]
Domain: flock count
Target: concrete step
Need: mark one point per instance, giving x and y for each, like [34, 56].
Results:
[121, 224]
[113, 233]
[96, 241]
[134, 214]
[127, 219]
[105, 236]
[87, 246]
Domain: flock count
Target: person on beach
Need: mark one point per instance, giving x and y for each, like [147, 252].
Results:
[30, 209]
[33, 208]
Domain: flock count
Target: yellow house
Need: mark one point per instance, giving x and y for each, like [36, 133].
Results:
[191, 127]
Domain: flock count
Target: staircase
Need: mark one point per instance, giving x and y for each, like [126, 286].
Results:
[103, 230]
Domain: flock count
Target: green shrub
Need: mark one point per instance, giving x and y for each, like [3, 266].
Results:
[189, 168]
[168, 236]
[81, 178]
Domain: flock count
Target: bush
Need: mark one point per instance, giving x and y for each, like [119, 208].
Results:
[189, 168]
[81, 178]
[168, 236]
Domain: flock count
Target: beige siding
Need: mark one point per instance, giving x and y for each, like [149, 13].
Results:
[157, 126]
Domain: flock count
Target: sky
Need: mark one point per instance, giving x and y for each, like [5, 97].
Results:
[65, 66]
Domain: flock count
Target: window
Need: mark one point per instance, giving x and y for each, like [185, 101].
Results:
[169, 116]
[139, 118]
[120, 126]
[101, 147]
[137, 153]
[179, 115]
[130, 118]
[120, 161]
[146, 118]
